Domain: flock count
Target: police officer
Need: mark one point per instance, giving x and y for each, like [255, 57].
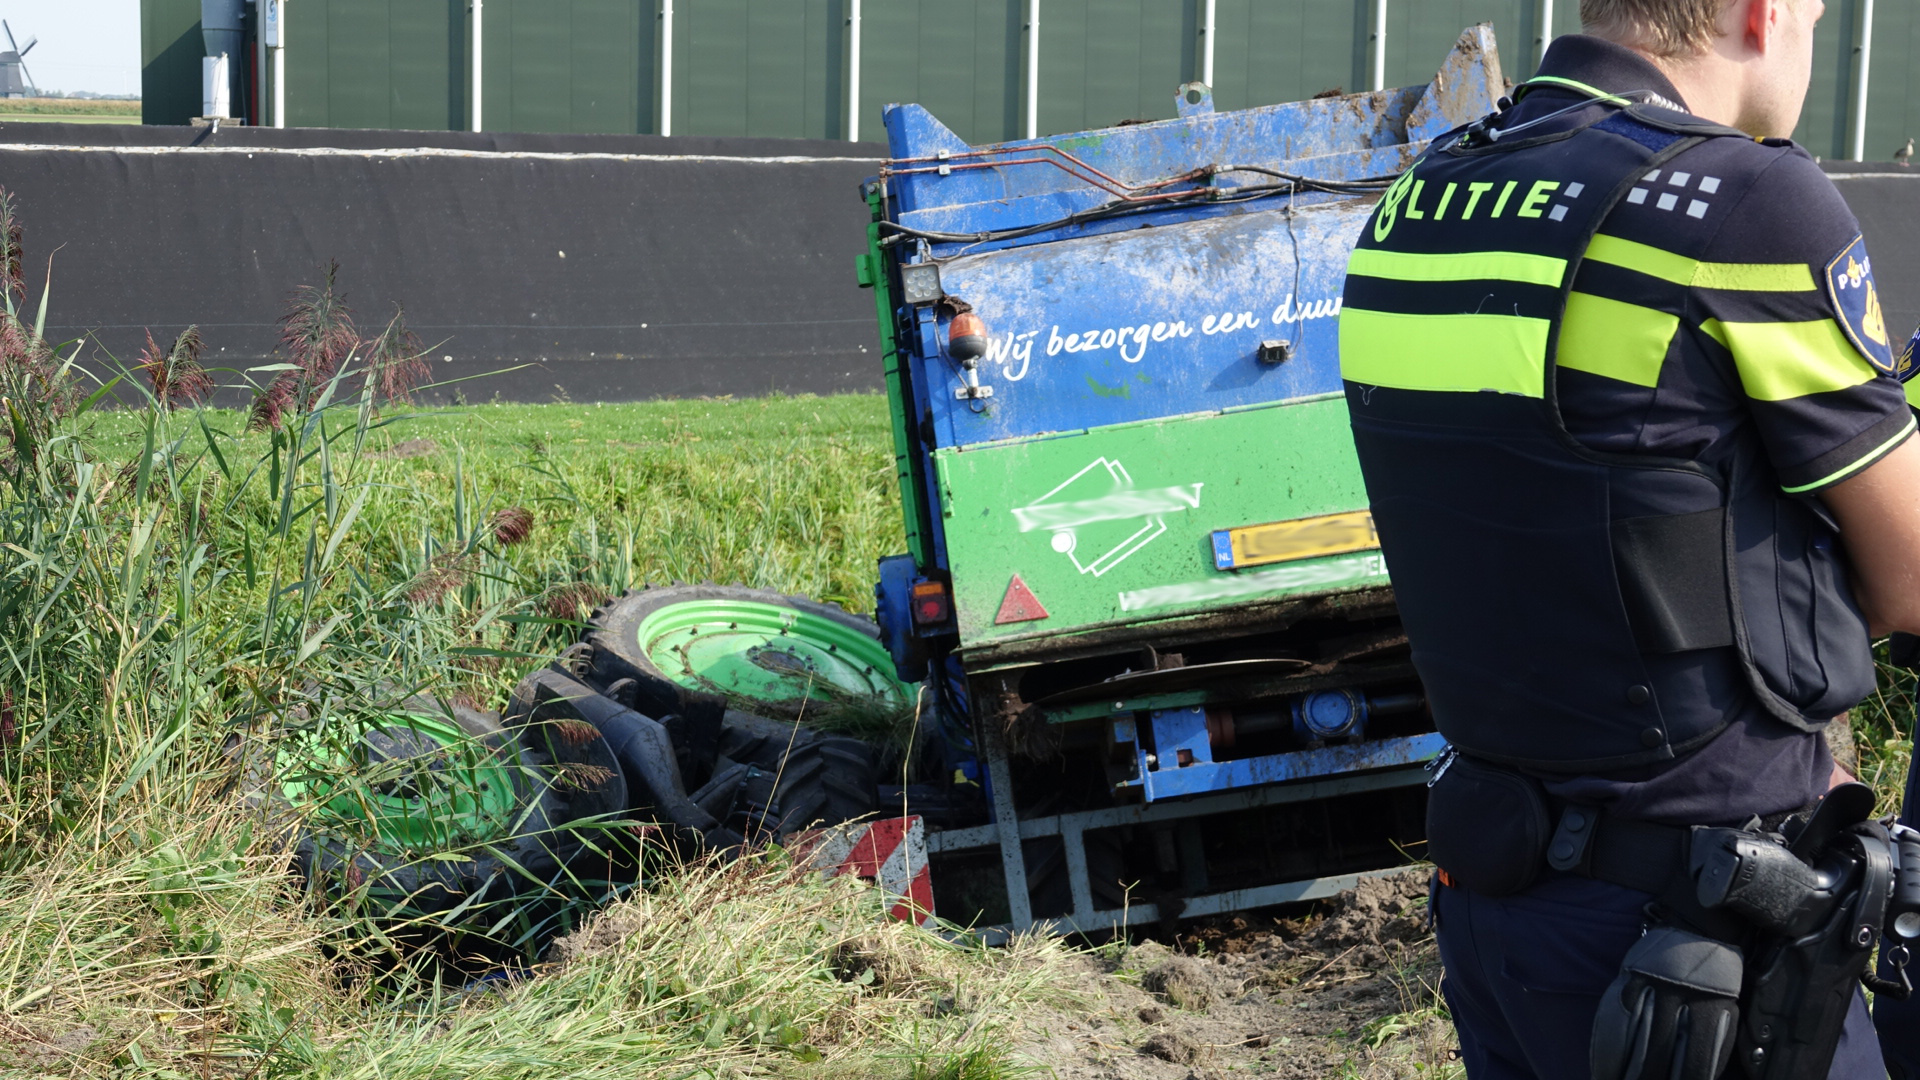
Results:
[1623, 398]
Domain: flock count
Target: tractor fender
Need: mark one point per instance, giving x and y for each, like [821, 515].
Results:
[640, 744]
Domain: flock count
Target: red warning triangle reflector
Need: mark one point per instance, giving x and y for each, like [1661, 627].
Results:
[1019, 605]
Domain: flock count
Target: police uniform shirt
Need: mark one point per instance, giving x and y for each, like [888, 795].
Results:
[1727, 297]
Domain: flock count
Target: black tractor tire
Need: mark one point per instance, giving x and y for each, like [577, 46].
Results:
[611, 660]
[616, 633]
[794, 779]
[758, 740]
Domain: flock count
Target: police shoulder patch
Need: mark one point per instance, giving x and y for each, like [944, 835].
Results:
[1856, 304]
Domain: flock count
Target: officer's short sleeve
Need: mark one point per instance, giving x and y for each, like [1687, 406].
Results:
[1789, 294]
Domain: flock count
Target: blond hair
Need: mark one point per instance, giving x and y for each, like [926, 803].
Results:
[1667, 28]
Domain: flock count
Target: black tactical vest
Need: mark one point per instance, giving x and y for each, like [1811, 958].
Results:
[1543, 584]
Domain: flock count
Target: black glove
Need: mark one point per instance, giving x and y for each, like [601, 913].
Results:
[1674, 1011]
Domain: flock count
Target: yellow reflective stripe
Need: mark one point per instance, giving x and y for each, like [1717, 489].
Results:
[1453, 353]
[1652, 261]
[1458, 266]
[1667, 266]
[1782, 360]
[1754, 277]
[1574, 84]
[1621, 341]
[1866, 459]
[1912, 388]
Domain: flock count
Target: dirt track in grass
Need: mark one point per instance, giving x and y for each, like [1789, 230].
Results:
[1347, 990]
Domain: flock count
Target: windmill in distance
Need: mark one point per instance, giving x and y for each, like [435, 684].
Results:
[14, 79]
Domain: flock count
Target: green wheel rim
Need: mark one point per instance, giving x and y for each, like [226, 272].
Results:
[457, 792]
[768, 657]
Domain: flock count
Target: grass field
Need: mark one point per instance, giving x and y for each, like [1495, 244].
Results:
[59, 118]
[42, 106]
[69, 111]
[795, 494]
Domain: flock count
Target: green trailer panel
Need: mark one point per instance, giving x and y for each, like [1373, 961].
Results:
[1113, 526]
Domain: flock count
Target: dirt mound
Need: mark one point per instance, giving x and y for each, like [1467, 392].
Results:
[1186, 983]
[1380, 910]
[1349, 989]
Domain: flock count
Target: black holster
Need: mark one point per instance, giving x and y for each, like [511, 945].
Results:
[1817, 917]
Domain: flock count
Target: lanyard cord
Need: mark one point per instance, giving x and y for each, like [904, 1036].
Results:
[1485, 130]
[1573, 84]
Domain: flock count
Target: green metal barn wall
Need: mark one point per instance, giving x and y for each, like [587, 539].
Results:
[755, 67]
[170, 52]
[779, 67]
[1893, 91]
[373, 63]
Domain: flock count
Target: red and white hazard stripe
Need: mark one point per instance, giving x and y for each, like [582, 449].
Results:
[891, 853]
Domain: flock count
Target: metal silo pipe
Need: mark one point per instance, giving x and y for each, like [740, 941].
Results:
[1864, 50]
[666, 67]
[1379, 44]
[478, 55]
[853, 71]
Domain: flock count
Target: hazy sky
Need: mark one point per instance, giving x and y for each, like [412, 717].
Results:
[84, 44]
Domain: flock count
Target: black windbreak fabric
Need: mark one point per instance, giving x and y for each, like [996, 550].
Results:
[1883, 197]
[681, 276]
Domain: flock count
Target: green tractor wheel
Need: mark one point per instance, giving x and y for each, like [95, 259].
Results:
[767, 654]
[813, 704]
[435, 817]
[433, 785]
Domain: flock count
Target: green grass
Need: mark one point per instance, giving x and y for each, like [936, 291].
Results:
[68, 111]
[788, 493]
[1883, 728]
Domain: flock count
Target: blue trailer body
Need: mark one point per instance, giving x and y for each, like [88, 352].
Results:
[1262, 272]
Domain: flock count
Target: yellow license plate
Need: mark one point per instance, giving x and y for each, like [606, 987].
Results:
[1301, 538]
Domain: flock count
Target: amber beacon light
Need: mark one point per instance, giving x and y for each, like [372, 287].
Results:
[967, 337]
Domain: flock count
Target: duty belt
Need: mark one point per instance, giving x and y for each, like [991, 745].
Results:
[1782, 919]
[1646, 857]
